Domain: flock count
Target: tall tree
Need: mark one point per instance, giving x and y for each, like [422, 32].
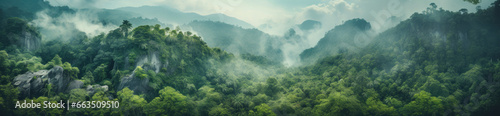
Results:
[126, 25]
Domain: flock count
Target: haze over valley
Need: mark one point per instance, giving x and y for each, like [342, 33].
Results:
[258, 58]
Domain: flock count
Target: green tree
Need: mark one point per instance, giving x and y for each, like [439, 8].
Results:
[88, 78]
[262, 110]
[210, 99]
[125, 27]
[130, 104]
[70, 71]
[56, 61]
[77, 95]
[100, 96]
[219, 110]
[272, 86]
[101, 73]
[139, 72]
[170, 102]
[49, 89]
[339, 104]
[423, 105]
[4, 67]
[15, 25]
[9, 95]
[377, 108]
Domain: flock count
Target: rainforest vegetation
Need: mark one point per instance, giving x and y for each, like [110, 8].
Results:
[437, 62]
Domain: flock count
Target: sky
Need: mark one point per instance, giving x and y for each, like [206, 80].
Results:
[277, 16]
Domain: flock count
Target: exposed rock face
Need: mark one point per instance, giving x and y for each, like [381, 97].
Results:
[30, 41]
[58, 81]
[31, 84]
[28, 85]
[76, 84]
[26, 39]
[150, 61]
[91, 89]
[139, 86]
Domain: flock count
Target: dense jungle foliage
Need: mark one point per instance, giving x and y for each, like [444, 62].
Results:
[437, 62]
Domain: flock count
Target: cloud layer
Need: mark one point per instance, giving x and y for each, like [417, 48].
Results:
[278, 15]
[67, 25]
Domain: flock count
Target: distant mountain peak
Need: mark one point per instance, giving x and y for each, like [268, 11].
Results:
[171, 15]
[310, 24]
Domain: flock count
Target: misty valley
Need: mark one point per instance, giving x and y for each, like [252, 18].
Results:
[95, 58]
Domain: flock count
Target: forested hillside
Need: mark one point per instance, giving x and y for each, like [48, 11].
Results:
[437, 62]
[338, 40]
[239, 40]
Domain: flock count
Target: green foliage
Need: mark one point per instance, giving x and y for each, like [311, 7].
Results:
[88, 78]
[9, 95]
[139, 72]
[49, 89]
[70, 71]
[170, 102]
[17, 25]
[423, 104]
[437, 62]
[376, 107]
[130, 104]
[272, 86]
[56, 61]
[339, 104]
[101, 73]
[125, 27]
[100, 96]
[77, 95]
[219, 111]
[262, 110]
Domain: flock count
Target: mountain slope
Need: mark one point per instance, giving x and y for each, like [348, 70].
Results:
[348, 36]
[238, 40]
[174, 16]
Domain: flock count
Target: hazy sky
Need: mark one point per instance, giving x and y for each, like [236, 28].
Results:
[279, 15]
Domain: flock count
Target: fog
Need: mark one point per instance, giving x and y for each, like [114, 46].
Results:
[67, 25]
[275, 17]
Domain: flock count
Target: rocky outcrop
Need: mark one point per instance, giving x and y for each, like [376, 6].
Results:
[34, 84]
[91, 89]
[58, 81]
[139, 86]
[151, 61]
[27, 39]
[76, 84]
[30, 41]
[31, 83]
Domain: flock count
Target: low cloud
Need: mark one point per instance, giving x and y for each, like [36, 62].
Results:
[67, 25]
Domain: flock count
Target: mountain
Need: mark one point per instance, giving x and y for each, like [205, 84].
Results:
[174, 16]
[437, 62]
[344, 37]
[309, 25]
[238, 40]
[284, 49]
